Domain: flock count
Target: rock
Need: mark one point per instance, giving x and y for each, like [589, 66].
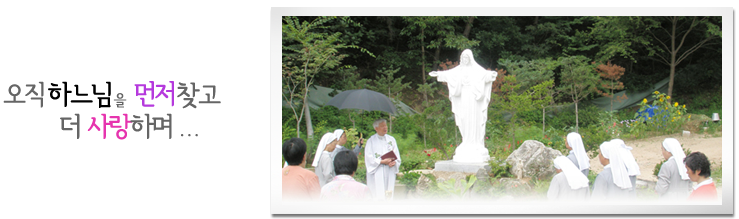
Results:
[533, 160]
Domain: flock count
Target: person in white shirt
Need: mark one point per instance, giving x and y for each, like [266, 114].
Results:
[381, 172]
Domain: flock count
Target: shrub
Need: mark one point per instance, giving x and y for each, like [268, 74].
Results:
[660, 116]
[410, 180]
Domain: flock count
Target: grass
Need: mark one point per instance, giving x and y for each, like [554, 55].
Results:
[716, 174]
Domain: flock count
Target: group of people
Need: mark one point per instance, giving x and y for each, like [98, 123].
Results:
[617, 181]
[335, 166]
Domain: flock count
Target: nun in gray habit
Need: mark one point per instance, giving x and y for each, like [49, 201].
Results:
[577, 155]
[613, 183]
[631, 166]
[569, 183]
[673, 182]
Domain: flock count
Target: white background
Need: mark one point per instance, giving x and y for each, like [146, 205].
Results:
[222, 173]
[48, 173]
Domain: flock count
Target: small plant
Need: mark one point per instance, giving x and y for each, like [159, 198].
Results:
[410, 180]
[716, 174]
[449, 187]
[660, 116]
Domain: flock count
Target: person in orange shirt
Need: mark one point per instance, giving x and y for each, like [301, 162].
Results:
[297, 182]
[699, 171]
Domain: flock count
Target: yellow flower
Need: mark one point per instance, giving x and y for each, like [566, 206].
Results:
[688, 116]
[683, 106]
[644, 101]
[661, 100]
[678, 112]
[668, 97]
[656, 92]
[676, 104]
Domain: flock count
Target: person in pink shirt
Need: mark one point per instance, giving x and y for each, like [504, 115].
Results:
[699, 171]
[297, 182]
[343, 186]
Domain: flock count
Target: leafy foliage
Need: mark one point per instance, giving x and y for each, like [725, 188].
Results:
[610, 74]
[578, 80]
[665, 117]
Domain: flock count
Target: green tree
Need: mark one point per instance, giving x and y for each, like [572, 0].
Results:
[512, 100]
[387, 83]
[578, 81]
[305, 53]
[532, 72]
[676, 38]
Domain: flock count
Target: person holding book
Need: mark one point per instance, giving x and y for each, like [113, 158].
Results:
[382, 159]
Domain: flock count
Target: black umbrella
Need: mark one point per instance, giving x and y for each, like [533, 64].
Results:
[363, 99]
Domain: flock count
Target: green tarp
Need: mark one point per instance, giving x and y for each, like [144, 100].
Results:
[318, 96]
[633, 97]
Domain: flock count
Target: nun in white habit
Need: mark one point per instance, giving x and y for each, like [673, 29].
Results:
[673, 182]
[322, 161]
[569, 183]
[631, 166]
[612, 184]
[341, 140]
[577, 155]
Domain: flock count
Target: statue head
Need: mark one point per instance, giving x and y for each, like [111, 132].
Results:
[466, 58]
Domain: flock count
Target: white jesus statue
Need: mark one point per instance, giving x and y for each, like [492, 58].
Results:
[469, 91]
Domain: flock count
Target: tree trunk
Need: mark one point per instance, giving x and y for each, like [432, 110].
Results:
[673, 53]
[298, 129]
[543, 118]
[577, 119]
[436, 56]
[423, 68]
[308, 123]
[389, 123]
[468, 27]
[390, 32]
[513, 131]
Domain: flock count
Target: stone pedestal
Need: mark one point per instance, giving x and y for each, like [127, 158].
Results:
[470, 153]
[451, 166]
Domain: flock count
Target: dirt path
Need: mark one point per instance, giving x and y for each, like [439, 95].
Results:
[648, 154]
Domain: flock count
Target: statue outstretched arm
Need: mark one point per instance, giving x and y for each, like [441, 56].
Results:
[434, 73]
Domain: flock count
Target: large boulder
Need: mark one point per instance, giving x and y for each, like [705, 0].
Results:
[532, 159]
